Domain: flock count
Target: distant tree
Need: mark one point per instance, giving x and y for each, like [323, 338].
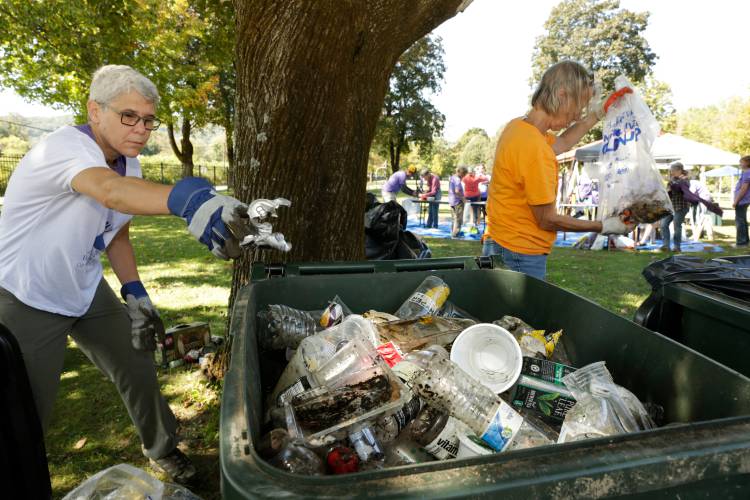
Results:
[723, 125]
[50, 49]
[443, 158]
[475, 151]
[658, 97]
[408, 117]
[13, 145]
[607, 40]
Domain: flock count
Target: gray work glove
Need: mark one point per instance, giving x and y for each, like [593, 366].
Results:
[146, 327]
[614, 225]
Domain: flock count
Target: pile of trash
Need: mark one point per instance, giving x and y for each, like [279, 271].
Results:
[428, 382]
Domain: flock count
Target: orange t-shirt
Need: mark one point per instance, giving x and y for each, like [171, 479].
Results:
[524, 173]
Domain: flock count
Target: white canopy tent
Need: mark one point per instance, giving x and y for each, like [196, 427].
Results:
[667, 148]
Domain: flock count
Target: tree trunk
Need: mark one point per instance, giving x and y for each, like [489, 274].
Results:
[311, 79]
[184, 152]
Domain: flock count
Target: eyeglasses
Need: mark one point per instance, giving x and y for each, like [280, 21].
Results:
[131, 119]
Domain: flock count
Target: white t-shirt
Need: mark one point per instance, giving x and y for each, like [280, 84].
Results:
[51, 237]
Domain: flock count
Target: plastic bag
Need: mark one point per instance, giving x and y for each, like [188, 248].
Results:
[631, 183]
[124, 482]
[603, 408]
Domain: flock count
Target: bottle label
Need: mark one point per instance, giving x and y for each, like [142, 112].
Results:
[298, 387]
[503, 426]
[445, 445]
[426, 302]
[408, 412]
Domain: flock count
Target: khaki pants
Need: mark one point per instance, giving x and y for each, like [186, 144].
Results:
[103, 334]
[458, 218]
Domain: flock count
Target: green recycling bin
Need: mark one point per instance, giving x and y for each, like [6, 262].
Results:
[705, 450]
[710, 322]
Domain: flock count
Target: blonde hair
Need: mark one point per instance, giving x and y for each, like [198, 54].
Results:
[565, 75]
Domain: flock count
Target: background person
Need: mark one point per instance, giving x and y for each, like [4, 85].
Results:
[456, 199]
[741, 201]
[522, 221]
[432, 192]
[70, 199]
[472, 182]
[677, 178]
[397, 182]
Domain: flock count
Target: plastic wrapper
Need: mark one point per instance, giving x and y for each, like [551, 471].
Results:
[603, 408]
[125, 482]
[631, 183]
[417, 333]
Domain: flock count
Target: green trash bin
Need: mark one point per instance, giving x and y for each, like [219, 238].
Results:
[706, 451]
[712, 323]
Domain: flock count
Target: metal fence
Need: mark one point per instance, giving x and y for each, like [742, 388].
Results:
[165, 173]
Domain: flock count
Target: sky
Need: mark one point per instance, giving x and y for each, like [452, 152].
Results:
[700, 47]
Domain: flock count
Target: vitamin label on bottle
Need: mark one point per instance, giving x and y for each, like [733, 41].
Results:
[300, 386]
[503, 426]
[444, 446]
[390, 353]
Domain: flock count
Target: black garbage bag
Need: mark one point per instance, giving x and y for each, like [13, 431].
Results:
[728, 275]
[386, 236]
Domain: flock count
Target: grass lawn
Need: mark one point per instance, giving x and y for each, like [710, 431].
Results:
[91, 430]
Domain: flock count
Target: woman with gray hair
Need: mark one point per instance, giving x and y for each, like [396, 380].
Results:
[70, 199]
[522, 220]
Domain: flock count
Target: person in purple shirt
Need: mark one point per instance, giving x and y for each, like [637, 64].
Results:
[432, 193]
[456, 199]
[397, 182]
[741, 201]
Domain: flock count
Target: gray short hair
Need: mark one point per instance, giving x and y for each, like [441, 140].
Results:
[567, 75]
[113, 80]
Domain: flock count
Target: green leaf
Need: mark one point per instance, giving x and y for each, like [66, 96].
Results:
[545, 407]
[549, 397]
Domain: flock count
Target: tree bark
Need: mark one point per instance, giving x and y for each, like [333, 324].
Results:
[311, 79]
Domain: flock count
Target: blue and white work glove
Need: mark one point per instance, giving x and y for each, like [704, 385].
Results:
[146, 326]
[223, 223]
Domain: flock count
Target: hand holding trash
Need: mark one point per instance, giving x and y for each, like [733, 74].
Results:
[617, 225]
[222, 223]
[599, 107]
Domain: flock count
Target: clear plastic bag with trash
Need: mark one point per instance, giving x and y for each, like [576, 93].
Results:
[630, 181]
[125, 482]
[603, 408]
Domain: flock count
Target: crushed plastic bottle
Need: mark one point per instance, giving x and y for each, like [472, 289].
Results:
[314, 351]
[285, 327]
[426, 300]
[389, 427]
[444, 385]
[423, 331]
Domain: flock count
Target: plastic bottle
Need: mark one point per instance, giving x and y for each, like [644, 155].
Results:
[435, 432]
[290, 455]
[426, 300]
[389, 427]
[444, 385]
[285, 326]
[315, 350]
[365, 443]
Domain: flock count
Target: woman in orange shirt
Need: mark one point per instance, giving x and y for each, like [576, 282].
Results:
[522, 221]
